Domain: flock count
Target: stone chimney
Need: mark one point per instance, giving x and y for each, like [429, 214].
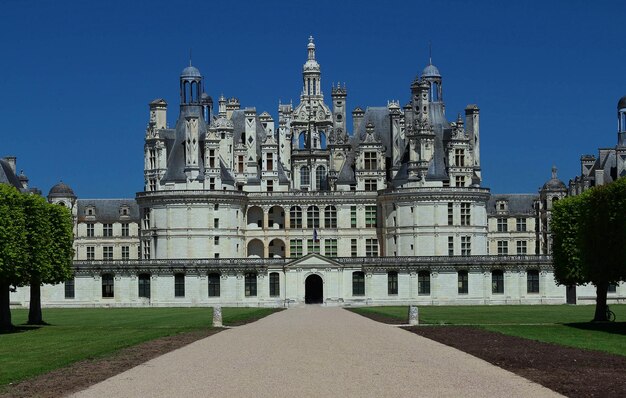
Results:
[11, 160]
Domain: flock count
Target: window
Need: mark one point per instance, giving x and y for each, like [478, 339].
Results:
[91, 253]
[521, 247]
[144, 285]
[216, 255]
[146, 250]
[497, 282]
[179, 285]
[216, 207]
[463, 282]
[370, 161]
[146, 218]
[612, 288]
[370, 217]
[153, 184]
[354, 248]
[216, 223]
[107, 253]
[274, 284]
[459, 157]
[69, 288]
[465, 214]
[107, 229]
[392, 282]
[502, 225]
[320, 178]
[459, 181]
[270, 186]
[371, 247]
[125, 252]
[214, 285]
[532, 281]
[353, 216]
[423, 283]
[358, 283]
[466, 245]
[90, 229]
[295, 214]
[270, 161]
[295, 247]
[313, 246]
[330, 247]
[216, 240]
[250, 284]
[212, 158]
[503, 247]
[450, 245]
[125, 229]
[313, 217]
[330, 217]
[305, 177]
[107, 285]
[370, 184]
[450, 213]
[521, 225]
[240, 164]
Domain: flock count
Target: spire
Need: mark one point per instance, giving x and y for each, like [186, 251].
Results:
[430, 53]
[554, 172]
[311, 48]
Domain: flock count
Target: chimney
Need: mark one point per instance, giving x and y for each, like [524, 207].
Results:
[11, 160]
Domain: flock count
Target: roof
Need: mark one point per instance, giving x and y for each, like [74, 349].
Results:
[622, 103]
[61, 190]
[517, 203]
[190, 71]
[108, 210]
[7, 176]
[431, 71]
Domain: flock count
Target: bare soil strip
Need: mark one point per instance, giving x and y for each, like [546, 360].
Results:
[570, 371]
[83, 374]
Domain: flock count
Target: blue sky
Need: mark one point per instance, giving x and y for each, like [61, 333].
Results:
[76, 77]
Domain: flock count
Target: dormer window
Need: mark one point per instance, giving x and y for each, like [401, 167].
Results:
[90, 211]
[502, 206]
[124, 211]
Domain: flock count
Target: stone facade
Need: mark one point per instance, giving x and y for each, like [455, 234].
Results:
[240, 211]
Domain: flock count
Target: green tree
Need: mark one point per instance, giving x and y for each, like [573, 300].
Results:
[13, 253]
[589, 244]
[49, 234]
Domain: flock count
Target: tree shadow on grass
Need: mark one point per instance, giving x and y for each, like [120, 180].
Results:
[20, 329]
[607, 327]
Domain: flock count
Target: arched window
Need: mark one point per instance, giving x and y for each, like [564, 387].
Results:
[423, 283]
[214, 285]
[434, 92]
[320, 178]
[274, 284]
[358, 283]
[250, 284]
[330, 217]
[313, 217]
[305, 177]
[144, 285]
[295, 215]
[107, 285]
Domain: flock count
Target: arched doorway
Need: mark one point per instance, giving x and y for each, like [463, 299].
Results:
[314, 290]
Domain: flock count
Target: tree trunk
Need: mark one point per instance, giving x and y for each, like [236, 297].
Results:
[5, 309]
[601, 291]
[34, 311]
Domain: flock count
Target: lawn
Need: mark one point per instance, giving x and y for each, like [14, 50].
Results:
[77, 334]
[560, 324]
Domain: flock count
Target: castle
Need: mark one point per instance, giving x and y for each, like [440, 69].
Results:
[240, 211]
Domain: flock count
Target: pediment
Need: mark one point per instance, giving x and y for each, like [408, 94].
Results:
[313, 261]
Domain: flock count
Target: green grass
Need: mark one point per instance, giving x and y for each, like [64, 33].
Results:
[77, 334]
[560, 324]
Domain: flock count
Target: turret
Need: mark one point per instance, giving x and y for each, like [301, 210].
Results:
[339, 95]
[190, 86]
[621, 122]
[158, 114]
[472, 128]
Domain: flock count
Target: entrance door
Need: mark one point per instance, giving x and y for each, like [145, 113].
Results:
[314, 290]
[570, 294]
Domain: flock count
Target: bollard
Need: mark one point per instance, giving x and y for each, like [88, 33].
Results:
[413, 316]
[217, 317]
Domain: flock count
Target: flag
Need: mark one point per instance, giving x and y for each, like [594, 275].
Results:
[315, 238]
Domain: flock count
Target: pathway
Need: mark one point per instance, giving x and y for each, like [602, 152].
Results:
[314, 351]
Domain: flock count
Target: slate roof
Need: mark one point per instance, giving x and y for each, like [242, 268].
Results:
[108, 210]
[517, 203]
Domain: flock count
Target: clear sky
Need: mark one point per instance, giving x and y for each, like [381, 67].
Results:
[76, 77]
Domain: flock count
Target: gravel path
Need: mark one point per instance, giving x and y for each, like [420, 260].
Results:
[316, 352]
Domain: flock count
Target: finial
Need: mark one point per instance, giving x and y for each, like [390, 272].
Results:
[310, 39]
[554, 172]
[430, 53]
[189, 56]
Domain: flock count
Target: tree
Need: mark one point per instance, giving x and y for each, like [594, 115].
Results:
[589, 244]
[49, 236]
[13, 253]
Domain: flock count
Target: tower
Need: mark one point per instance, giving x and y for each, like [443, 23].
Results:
[339, 95]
